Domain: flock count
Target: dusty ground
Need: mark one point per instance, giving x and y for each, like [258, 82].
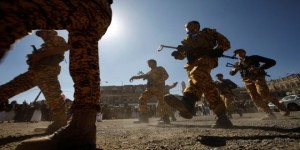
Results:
[249, 133]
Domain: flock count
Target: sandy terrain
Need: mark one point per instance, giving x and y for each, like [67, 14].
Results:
[249, 133]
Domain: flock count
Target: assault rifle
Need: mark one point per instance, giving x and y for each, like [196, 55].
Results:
[161, 47]
[241, 68]
[37, 97]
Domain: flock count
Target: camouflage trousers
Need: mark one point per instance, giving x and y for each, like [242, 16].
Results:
[149, 93]
[228, 101]
[46, 78]
[200, 82]
[86, 22]
[258, 90]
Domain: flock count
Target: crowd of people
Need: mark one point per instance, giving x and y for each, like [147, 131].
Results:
[14, 112]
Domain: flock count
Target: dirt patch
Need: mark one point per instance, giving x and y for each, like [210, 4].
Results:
[249, 133]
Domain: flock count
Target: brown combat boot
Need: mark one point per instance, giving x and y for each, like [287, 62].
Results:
[269, 114]
[222, 121]
[165, 119]
[283, 109]
[143, 118]
[80, 133]
[185, 106]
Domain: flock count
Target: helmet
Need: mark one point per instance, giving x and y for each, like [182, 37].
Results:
[49, 32]
[239, 50]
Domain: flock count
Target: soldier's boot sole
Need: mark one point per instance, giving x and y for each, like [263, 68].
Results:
[176, 103]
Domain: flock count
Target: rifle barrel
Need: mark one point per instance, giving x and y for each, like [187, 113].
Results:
[165, 46]
[232, 57]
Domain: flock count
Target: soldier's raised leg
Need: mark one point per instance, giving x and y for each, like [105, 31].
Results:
[263, 90]
[87, 22]
[258, 101]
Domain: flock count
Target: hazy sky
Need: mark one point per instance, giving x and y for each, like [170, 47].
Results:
[268, 28]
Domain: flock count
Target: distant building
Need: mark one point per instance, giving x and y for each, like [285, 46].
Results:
[129, 94]
[123, 95]
[285, 85]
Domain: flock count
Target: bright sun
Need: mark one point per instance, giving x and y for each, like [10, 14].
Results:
[114, 28]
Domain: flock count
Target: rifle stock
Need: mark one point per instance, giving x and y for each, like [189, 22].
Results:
[37, 97]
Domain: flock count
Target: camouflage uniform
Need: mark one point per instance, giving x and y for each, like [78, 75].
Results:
[155, 87]
[200, 80]
[44, 74]
[81, 19]
[86, 22]
[199, 49]
[255, 82]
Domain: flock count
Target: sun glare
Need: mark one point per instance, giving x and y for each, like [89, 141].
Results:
[114, 28]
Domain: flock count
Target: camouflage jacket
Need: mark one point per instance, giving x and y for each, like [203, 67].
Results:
[204, 40]
[156, 77]
[53, 42]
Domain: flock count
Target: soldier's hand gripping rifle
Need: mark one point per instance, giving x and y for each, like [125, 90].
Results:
[187, 49]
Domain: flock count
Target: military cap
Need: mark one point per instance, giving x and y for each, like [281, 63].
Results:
[49, 32]
[219, 74]
[239, 50]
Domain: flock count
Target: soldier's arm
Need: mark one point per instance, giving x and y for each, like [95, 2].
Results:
[173, 85]
[142, 76]
[56, 46]
[268, 63]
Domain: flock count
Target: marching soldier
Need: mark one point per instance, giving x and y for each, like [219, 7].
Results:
[225, 87]
[156, 78]
[43, 72]
[253, 75]
[198, 68]
[86, 22]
